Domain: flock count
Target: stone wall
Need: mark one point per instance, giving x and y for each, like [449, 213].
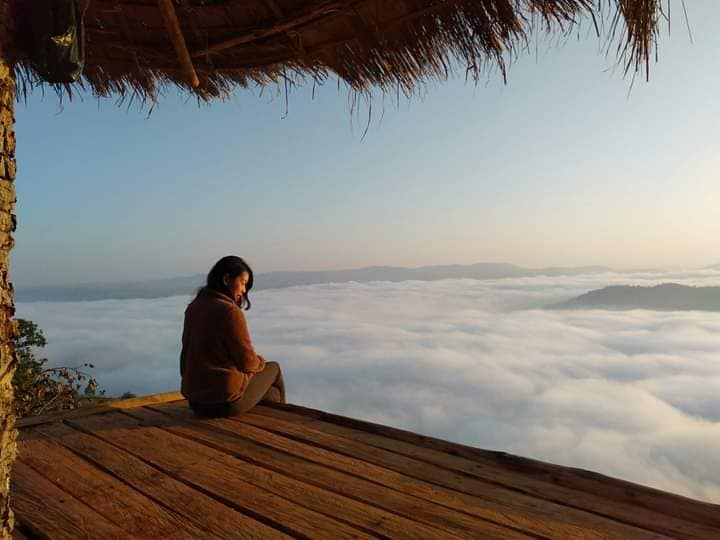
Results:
[8, 433]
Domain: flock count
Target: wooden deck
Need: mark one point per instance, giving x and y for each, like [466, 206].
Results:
[156, 471]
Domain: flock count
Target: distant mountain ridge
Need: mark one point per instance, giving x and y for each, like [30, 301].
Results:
[664, 297]
[162, 288]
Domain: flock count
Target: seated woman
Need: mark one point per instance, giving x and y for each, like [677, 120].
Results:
[222, 375]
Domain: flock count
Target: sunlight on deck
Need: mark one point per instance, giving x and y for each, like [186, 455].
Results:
[153, 469]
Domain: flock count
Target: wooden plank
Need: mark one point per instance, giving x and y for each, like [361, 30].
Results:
[115, 500]
[117, 404]
[525, 512]
[222, 476]
[335, 505]
[214, 517]
[554, 522]
[398, 513]
[621, 491]
[295, 21]
[172, 26]
[669, 523]
[496, 504]
[510, 491]
[49, 512]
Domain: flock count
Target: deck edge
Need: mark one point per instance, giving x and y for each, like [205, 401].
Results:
[516, 463]
[113, 405]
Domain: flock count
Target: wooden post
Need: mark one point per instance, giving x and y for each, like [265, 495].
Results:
[8, 433]
[178, 40]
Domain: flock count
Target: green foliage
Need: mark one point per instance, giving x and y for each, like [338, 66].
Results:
[128, 395]
[38, 389]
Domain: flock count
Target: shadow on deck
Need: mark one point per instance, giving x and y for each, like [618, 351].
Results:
[148, 468]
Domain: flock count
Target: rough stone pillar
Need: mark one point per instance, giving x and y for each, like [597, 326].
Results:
[8, 433]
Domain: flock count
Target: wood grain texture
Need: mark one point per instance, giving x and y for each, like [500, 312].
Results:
[50, 512]
[283, 471]
[119, 503]
[219, 475]
[614, 489]
[398, 513]
[551, 522]
[195, 506]
[431, 463]
[113, 405]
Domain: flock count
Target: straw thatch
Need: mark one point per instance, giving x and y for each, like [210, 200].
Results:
[388, 44]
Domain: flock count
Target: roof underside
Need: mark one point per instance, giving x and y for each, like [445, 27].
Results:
[157, 471]
[390, 45]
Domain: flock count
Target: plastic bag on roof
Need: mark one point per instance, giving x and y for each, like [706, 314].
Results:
[55, 35]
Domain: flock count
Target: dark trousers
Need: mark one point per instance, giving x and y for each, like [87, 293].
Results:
[268, 385]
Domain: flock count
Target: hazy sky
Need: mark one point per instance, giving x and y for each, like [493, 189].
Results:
[559, 167]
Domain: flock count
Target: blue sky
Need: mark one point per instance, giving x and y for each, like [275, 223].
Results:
[561, 166]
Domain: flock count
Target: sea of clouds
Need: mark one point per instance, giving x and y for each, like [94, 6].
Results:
[632, 394]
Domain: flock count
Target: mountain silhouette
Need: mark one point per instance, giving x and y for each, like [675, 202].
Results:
[664, 297]
[187, 285]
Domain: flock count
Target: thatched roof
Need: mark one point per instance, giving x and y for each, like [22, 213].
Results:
[388, 44]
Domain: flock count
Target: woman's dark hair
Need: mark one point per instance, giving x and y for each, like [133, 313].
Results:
[232, 267]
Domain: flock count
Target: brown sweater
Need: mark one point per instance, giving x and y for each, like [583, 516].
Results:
[217, 358]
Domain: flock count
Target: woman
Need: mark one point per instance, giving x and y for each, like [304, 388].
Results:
[222, 375]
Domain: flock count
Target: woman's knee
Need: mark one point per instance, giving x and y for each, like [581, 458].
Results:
[273, 395]
[274, 368]
[272, 365]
